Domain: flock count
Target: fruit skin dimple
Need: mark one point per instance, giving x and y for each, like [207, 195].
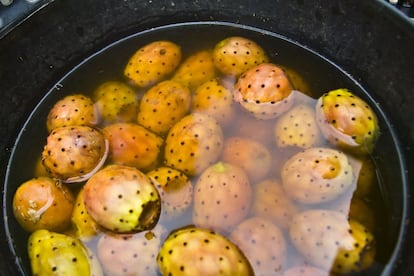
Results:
[122, 199]
[264, 91]
[196, 69]
[163, 105]
[116, 102]
[193, 144]
[52, 253]
[72, 152]
[153, 62]
[222, 197]
[235, 55]
[347, 121]
[133, 145]
[72, 110]
[197, 251]
[43, 203]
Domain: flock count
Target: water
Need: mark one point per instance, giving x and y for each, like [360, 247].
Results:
[107, 64]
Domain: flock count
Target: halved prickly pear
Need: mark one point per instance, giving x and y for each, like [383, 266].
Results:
[271, 202]
[163, 105]
[85, 226]
[297, 127]
[73, 153]
[263, 244]
[175, 189]
[193, 144]
[43, 203]
[347, 121]
[235, 55]
[122, 199]
[196, 69]
[153, 62]
[130, 254]
[222, 197]
[248, 154]
[72, 110]
[116, 102]
[215, 100]
[317, 175]
[133, 145]
[196, 251]
[52, 253]
[264, 91]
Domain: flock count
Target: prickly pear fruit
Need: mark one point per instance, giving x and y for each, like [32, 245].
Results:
[163, 105]
[360, 256]
[264, 90]
[130, 254]
[347, 121]
[133, 145]
[152, 63]
[253, 157]
[235, 55]
[367, 178]
[84, 225]
[175, 189]
[122, 199]
[52, 253]
[271, 202]
[196, 69]
[317, 175]
[73, 153]
[116, 102]
[196, 251]
[72, 110]
[297, 127]
[263, 244]
[193, 144]
[43, 203]
[222, 197]
[305, 270]
[326, 239]
[215, 100]
[297, 80]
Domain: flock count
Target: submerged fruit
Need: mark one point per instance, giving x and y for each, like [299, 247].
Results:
[133, 145]
[53, 253]
[196, 251]
[163, 105]
[84, 225]
[116, 102]
[72, 110]
[43, 203]
[317, 175]
[175, 189]
[347, 121]
[122, 199]
[234, 55]
[264, 91]
[193, 144]
[73, 153]
[222, 197]
[263, 244]
[130, 254]
[153, 62]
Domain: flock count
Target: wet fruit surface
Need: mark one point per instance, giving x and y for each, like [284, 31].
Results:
[211, 159]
